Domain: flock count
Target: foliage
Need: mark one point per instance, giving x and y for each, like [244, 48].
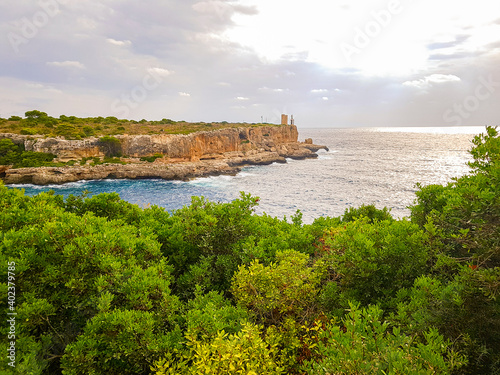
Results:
[373, 261]
[35, 114]
[208, 314]
[12, 154]
[118, 342]
[151, 159]
[121, 269]
[465, 217]
[200, 240]
[100, 281]
[106, 205]
[111, 146]
[366, 344]
[369, 211]
[285, 288]
[7, 146]
[26, 131]
[242, 353]
[72, 127]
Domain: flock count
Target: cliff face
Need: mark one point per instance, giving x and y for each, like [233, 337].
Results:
[194, 146]
[185, 156]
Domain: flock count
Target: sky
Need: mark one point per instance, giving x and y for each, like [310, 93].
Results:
[329, 63]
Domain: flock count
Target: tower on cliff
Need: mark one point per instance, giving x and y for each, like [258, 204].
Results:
[284, 119]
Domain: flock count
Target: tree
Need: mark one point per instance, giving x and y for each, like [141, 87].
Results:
[111, 146]
[35, 115]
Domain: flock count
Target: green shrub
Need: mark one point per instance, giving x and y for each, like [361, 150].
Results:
[111, 146]
[369, 211]
[35, 114]
[71, 268]
[68, 131]
[118, 342]
[34, 159]
[12, 154]
[241, 353]
[285, 288]
[7, 147]
[26, 131]
[201, 242]
[366, 344]
[151, 159]
[208, 314]
[88, 131]
[373, 261]
[106, 205]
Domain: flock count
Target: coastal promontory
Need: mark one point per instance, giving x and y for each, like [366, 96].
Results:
[168, 156]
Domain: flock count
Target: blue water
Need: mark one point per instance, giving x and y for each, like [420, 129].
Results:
[370, 166]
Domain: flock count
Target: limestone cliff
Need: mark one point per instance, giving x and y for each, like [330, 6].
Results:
[192, 146]
[185, 156]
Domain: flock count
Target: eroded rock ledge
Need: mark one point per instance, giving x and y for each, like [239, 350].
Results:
[189, 156]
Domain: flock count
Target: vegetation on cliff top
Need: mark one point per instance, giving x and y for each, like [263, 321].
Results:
[105, 287]
[71, 127]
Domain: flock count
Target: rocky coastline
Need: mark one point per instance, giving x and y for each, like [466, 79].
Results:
[184, 157]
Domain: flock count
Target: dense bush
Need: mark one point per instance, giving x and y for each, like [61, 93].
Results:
[286, 288]
[111, 146]
[105, 287]
[151, 159]
[366, 344]
[465, 217]
[373, 261]
[12, 154]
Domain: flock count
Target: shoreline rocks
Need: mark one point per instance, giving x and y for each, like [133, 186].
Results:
[189, 156]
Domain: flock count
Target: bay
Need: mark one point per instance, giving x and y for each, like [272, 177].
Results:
[378, 166]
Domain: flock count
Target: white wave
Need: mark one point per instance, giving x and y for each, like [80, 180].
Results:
[212, 181]
[175, 182]
[323, 157]
[25, 186]
[244, 175]
[75, 184]
[115, 180]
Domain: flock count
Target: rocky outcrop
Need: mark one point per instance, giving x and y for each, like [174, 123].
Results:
[159, 169]
[194, 146]
[185, 156]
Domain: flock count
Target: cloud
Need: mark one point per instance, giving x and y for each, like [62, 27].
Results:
[452, 56]
[96, 52]
[265, 88]
[459, 39]
[431, 80]
[161, 72]
[67, 64]
[119, 42]
[223, 10]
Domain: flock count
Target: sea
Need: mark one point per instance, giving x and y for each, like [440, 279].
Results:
[379, 166]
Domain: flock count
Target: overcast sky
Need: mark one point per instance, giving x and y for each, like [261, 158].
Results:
[335, 63]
